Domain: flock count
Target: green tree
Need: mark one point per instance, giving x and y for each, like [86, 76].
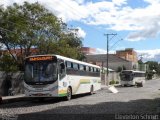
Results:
[158, 70]
[32, 26]
[153, 68]
[68, 45]
[152, 65]
[140, 61]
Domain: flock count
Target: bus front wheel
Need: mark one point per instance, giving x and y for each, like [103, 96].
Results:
[69, 93]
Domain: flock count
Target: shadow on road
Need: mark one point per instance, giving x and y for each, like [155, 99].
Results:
[98, 111]
[38, 101]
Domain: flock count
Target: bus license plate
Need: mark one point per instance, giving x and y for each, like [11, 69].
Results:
[39, 94]
[39, 89]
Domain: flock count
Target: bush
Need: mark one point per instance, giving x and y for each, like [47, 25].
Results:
[117, 82]
[112, 82]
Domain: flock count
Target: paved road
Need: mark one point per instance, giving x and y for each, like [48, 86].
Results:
[129, 100]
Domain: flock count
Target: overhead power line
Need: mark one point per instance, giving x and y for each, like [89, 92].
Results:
[115, 44]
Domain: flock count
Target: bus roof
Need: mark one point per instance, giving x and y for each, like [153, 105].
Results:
[135, 71]
[67, 59]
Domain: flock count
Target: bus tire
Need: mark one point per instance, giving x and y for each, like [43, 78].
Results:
[69, 93]
[91, 90]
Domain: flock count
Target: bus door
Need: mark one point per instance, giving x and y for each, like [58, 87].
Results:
[61, 69]
[62, 82]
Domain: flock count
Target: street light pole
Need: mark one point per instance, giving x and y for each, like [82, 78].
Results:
[108, 54]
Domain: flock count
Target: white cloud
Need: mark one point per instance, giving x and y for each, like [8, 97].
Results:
[100, 51]
[81, 33]
[119, 2]
[68, 10]
[152, 1]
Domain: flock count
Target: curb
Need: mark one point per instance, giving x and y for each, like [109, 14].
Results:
[11, 99]
[106, 87]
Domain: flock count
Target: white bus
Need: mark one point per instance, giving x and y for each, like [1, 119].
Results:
[130, 77]
[57, 76]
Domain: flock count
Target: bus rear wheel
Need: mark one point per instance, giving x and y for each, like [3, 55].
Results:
[91, 90]
[69, 93]
[139, 84]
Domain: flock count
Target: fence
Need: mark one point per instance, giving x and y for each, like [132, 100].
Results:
[11, 83]
[111, 76]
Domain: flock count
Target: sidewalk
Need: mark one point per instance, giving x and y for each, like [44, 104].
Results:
[9, 99]
[106, 87]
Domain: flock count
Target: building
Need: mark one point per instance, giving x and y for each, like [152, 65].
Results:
[88, 50]
[128, 54]
[123, 58]
[19, 52]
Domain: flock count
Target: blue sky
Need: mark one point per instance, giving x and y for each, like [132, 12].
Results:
[134, 21]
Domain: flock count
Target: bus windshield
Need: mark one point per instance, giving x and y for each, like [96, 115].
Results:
[126, 76]
[40, 72]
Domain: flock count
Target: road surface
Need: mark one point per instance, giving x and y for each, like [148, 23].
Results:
[129, 100]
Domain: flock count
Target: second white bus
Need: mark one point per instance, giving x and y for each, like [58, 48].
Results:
[131, 77]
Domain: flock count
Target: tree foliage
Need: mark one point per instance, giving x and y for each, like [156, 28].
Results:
[153, 68]
[152, 65]
[32, 26]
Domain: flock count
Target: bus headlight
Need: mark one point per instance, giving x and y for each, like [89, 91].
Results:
[53, 88]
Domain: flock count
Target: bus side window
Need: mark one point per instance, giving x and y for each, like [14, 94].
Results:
[68, 64]
[75, 66]
[81, 67]
[87, 68]
[61, 69]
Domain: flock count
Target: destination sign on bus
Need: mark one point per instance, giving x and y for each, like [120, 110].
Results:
[41, 58]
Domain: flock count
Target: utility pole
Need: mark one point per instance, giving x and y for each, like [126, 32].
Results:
[113, 34]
